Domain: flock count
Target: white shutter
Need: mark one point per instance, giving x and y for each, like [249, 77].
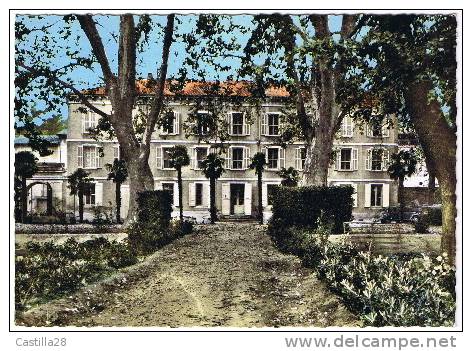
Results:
[265, 200]
[369, 130]
[116, 152]
[191, 194]
[368, 158]
[225, 200]
[193, 158]
[228, 158]
[246, 156]
[385, 159]
[84, 122]
[229, 120]
[98, 194]
[354, 161]
[246, 126]
[385, 195]
[354, 196]
[281, 158]
[385, 130]
[176, 195]
[367, 195]
[337, 164]
[124, 201]
[298, 159]
[80, 156]
[159, 157]
[349, 127]
[264, 124]
[206, 195]
[176, 123]
[247, 199]
[98, 161]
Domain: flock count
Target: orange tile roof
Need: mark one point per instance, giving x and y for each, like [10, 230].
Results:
[194, 88]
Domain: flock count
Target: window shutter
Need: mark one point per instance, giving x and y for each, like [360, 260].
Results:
[264, 124]
[84, 122]
[246, 155]
[176, 195]
[93, 119]
[368, 163]
[369, 130]
[116, 152]
[193, 158]
[354, 195]
[229, 120]
[159, 157]
[98, 162]
[385, 159]
[385, 195]
[281, 158]
[206, 195]
[176, 123]
[337, 164]
[385, 130]
[80, 156]
[191, 194]
[298, 159]
[226, 199]
[349, 127]
[228, 158]
[354, 161]
[367, 195]
[98, 194]
[265, 200]
[246, 126]
[247, 199]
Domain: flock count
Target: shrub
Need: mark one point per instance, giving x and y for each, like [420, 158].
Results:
[186, 227]
[384, 291]
[435, 215]
[422, 224]
[49, 270]
[155, 206]
[303, 206]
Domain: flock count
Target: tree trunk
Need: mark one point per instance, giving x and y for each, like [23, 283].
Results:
[118, 202]
[213, 217]
[431, 181]
[24, 200]
[180, 186]
[438, 140]
[81, 203]
[259, 193]
[401, 198]
[318, 158]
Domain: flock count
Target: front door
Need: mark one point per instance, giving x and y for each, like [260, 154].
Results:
[237, 199]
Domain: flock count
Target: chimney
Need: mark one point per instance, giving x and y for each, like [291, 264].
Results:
[149, 76]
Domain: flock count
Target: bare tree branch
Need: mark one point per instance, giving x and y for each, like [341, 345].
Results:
[66, 85]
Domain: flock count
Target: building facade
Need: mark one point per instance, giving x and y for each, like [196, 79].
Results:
[361, 160]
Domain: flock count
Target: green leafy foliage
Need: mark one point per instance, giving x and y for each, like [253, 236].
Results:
[303, 206]
[290, 176]
[47, 270]
[383, 291]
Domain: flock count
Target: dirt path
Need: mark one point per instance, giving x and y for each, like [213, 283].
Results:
[224, 275]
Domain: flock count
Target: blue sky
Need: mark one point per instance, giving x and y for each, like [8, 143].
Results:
[148, 60]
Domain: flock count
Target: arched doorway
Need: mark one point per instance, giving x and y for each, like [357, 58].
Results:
[48, 194]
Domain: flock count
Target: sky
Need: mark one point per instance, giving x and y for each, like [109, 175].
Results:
[148, 60]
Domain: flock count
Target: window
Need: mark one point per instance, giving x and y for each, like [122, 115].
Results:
[90, 156]
[202, 127]
[347, 127]
[376, 195]
[378, 129]
[377, 159]
[116, 152]
[171, 123]
[345, 159]
[270, 193]
[200, 155]
[273, 123]
[198, 194]
[166, 157]
[89, 121]
[237, 123]
[300, 157]
[89, 194]
[273, 158]
[237, 158]
[170, 188]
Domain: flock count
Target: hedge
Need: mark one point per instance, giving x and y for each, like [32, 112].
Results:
[395, 290]
[155, 205]
[303, 206]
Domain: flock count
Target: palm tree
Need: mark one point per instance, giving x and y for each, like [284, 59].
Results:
[118, 173]
[25, 167]
[402, 164]
[212, 168]
[289, 176]
[258, 162]
[77, 182]
[178, 158]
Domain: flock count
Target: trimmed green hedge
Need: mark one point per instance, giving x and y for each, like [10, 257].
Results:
[155, 206]
[303, 206]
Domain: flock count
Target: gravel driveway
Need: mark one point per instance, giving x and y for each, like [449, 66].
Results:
[228, 274]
